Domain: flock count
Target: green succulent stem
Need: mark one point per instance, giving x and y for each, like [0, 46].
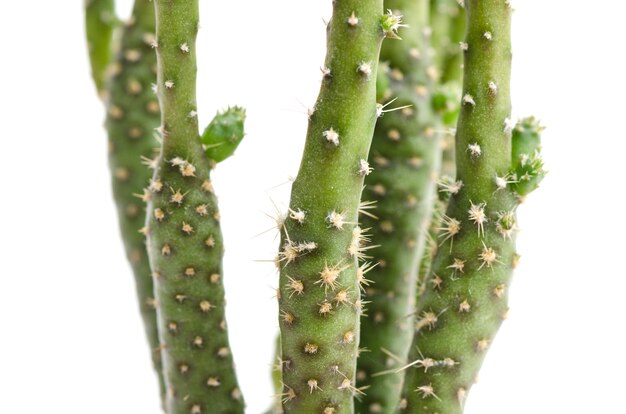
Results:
[100, 22]
[447, 21]
[406, 156]
[124, 82]
[466, 296]
[185, 243]
[319, 275]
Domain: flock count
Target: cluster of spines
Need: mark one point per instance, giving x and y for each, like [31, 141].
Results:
[184, 238]
[124, 84]
[319, 292]
[406, 157]
[466, 294]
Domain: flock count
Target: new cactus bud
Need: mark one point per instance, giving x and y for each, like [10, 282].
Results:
[527, 169]
[224, 134]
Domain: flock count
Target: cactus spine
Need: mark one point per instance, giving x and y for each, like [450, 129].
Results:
[466, 297]
[184, 238]
[132, 115]
[319, 274]
[406, 155]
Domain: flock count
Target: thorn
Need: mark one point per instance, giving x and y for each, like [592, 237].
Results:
[337, 220]
[331, 136]
[427, 391]
[477, 216]
[451, 187]
[364, 206]
[298, 216]
[365, 69]
[469, 99]
[353, 20]
[329, 276]
[475, 150]
[380, 108]
[493, 88]
[508, 126]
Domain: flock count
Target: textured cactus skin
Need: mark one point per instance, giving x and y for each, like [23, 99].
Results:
[447, 22]
[184, 238]
[320, 319]
[132, 115]
[100, 22]
[406, 156]
[466, 297]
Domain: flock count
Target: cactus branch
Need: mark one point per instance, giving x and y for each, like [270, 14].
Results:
[100, 22]
[465, 301]
[406, 156]
[132, 115]
[184, 239]
[319, 276]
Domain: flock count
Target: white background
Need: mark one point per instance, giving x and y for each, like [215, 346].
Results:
[70, 336]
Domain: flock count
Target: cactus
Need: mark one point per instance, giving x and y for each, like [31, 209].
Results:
[321, 241]
[184, 239]
[527, 171]
[100, 22]
[464, 254]
[406, 156]
[466, 297]
[447, 22]
[132, 115]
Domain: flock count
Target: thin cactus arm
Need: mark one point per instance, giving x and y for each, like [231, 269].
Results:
[184, 239]
[447, 22]
[100, 22]
[319, 295]
[466, 295]
[406, 158]
[124, 80]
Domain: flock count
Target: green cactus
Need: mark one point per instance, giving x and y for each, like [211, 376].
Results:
[184, 239]
[225, 132]
[132, 116]
[100, 22]
[447, 22]
[466, 297]
[319, 295]
[406, 156]
[528, 169]
[443, 257]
